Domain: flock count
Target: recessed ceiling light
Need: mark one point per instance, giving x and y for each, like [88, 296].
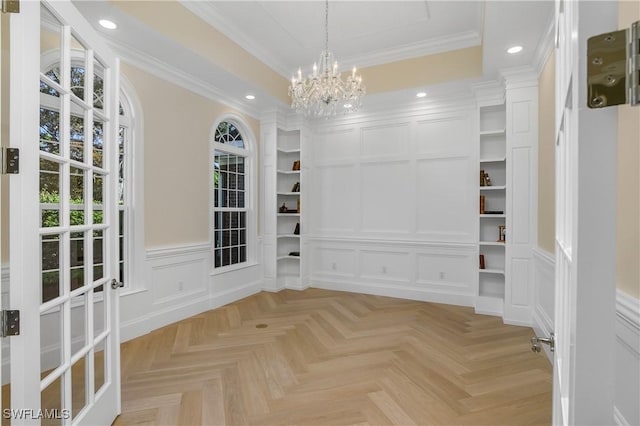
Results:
[250, 97]
[514, 49]
[421, 94]
[110, 25]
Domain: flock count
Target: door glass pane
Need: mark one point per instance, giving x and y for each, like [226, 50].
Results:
[50, 30]
[99, 365]
[49, 193]
[76, 259]
[50, 127]
[98, 140]
[76, 196]
[98, 255]
[98, 198]
[50, 266]
[51, 340]
[76, 130]
[98, 85]
[98, 315]
[78, 67]
[51, 401]
[78, 323]
[78, 386]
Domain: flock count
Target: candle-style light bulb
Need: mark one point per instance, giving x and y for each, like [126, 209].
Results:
[335, 66]
[299, 74]
[315, 69]
[353, 72]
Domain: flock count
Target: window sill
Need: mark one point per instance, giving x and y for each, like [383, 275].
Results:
[232, 268]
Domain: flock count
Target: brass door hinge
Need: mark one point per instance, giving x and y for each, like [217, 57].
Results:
[10, 323]
[9, 161]
[10, 6]
[613, 68]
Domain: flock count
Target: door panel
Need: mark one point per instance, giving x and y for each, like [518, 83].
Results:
[69, 105]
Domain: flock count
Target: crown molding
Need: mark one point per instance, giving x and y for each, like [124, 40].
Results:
[415, 50]
[204, 12]
[545, 47]
[162, 70]
[383, 56]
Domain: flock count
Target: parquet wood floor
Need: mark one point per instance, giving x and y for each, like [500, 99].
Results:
[334, 358]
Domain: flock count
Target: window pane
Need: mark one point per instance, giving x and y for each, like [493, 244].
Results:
[98, 143]
[49, 193]
[76, 127]
[76, 197]
[49, 131]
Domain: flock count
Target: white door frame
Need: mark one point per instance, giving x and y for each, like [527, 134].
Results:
[586, 182]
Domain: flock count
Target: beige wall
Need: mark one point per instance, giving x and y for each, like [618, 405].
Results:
[178, 23]
[546, 156]
[425, 70]
[628, 223]
[177, 126]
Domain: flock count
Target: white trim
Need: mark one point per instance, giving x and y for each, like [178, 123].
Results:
[471, 246]
[161, 69]
[382, 56]
[628, 310]
[164, 252]
[543, 264]
[545, 47]
[397, 291]
[251, 189]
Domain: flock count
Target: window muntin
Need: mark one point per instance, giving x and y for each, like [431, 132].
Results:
[229, 196]
[49, 130]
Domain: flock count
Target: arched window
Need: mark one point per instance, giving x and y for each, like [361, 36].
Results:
[128, 186]
[231, 177]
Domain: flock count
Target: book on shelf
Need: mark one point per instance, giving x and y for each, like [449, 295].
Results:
[296, 165]
[493, 212]
[482, 266]
[484, 178]
[295, 187]
[294, 253]
[482, 204]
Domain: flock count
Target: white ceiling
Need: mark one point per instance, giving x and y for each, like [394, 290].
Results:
[290, 34]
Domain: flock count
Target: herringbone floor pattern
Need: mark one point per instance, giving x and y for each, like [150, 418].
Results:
[334, 358]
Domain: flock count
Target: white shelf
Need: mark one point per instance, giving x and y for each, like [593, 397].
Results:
[491, 243]
[288, 236]
[491, 271]
[289, 151]
[289, 172]
[289, 214]
[493, 188]
[288, 193]
[493, 160]
[497, 216]
[288, 257]
[493, 132]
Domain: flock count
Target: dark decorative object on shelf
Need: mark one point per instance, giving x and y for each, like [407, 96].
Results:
[296, 165]
[493, 212]
[502, 234]
[297, 230]
[482, 261]
[283, 208]
[296, 187]
[294, 253]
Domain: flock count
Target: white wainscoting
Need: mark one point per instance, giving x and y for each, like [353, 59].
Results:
[626, 410]
[442, 273]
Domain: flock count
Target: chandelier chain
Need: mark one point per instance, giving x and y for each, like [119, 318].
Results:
[326, 25]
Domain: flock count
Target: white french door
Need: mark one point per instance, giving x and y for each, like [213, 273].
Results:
[583, 387]
[63, 219]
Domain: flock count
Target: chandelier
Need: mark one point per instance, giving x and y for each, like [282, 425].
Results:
[324, 93]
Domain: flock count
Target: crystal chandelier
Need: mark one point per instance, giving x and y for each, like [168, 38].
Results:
[324, 93]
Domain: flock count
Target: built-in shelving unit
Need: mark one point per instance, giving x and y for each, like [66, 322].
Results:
[493, 212]
[288, 192]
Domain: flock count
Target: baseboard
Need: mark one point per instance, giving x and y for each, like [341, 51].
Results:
[230, 296]
[167, 315]
[397, 291]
